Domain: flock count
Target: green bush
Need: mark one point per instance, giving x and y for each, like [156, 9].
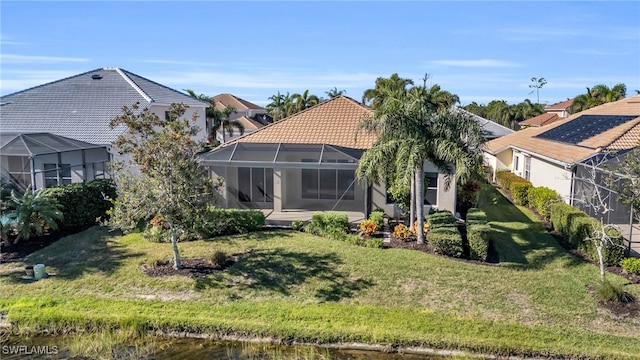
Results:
[440, 218]
[631, 265]
[520, 192]
[83, 204]
[541, 198]
[297, 225]
[215, 222]
[561, 215]
[506, 178]
[476, 216]
[218, 259]
[328, 224]
[467, 196]
[359, 241]
[479, 237]
[378, 218]
[446, 241]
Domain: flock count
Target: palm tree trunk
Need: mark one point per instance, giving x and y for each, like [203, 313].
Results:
[412, 206]
[174, 244]
[419, 198]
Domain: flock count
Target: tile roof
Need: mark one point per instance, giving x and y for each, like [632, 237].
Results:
[333, 122]
[491, 129]
[623, 136]
[81, 106]
[540, 120]
[249, 123]
[222, 100]
[563, 105]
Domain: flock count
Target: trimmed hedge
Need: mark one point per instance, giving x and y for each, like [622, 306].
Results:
[541, 198]
[479, 237]
[440, 218]
[446, 240]
[506, 178]
[631, 265]
[83, 204]
[215, 222]
[476, 216]
[576, 226]
[519, 191]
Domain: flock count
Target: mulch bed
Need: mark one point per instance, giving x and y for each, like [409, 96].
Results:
[24, 248]
[191, 267]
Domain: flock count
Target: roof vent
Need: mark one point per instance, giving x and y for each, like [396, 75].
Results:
[96, 76]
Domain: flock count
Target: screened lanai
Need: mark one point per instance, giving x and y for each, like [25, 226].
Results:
[282, 176]
[42, 160]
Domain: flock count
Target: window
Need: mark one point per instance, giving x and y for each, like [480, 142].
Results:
[19, 170]
[50, 175]
[431, 189]
[327, 184]
[52, 172]
[527, 167]
[516, 162]
[255, 184]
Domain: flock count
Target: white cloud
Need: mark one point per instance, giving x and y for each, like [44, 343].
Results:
[477, 63]
[17, 80]
[30, 59]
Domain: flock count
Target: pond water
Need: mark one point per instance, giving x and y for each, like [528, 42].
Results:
[43, 347]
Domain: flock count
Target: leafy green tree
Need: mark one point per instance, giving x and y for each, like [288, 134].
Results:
[442, 99]
[524, 110]
[598, 95]
[500, 112]
[163, 176]
[537, 84]
[32, 212]
[411, 130]
[335, 92]
[475, 108]
[384, 86]
[303, 101]
[277, 108]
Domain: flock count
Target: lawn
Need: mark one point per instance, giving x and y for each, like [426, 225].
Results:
[300, 287]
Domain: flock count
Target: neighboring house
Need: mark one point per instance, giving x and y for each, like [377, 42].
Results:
[250, 115]
[555, 156]
[491, 130]
[552, 114]
[307, 162]
[41, 160]
[80, 107]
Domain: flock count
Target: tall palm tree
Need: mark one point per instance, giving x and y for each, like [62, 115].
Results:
[441, 99]
[210, 111]
[222, 122]
[374, 97]
[500, 112]
[411, 131]
[277, 108]
[525, 110]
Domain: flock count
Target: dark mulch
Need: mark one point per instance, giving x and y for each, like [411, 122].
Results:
[618, 309]
[24, 248]
[192, 268]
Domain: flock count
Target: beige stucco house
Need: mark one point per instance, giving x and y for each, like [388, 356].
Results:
[251, 116]
[307, 162]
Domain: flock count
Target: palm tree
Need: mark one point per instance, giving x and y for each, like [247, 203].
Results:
[210, 111]
[222, 122]
[598, 95]
[525, 110]
[277, 108]
[411, 131]
[33, 212]
[537, 84]
[335, 92]
[441, 99]
[374, 97]
[500, 112]
[303, 101]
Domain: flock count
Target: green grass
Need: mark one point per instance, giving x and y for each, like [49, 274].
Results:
[300, 287]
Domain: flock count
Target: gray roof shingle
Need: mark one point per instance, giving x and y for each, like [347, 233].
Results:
[80, 107]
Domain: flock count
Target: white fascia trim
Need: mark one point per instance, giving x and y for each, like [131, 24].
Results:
[133, 85]
[565, 165]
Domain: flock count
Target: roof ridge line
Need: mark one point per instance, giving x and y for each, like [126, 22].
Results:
[133, 84]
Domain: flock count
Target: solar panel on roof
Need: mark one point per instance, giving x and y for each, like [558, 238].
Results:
[584, 127]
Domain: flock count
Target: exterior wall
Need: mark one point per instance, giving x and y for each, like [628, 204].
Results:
[500, 161]
[553, 176]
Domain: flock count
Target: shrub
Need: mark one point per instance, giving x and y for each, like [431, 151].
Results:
[505, 178]
[479, 237]
[368, 227]
[359, 241]
[520, 192]
[561, 215]
[446, 241]
[401, 232]
[297, 225]
[440, 218]
[328, 224]
[476, 216]
[216, 222]
[156, 234]
[218, 259]
[467, 196]
[607, 291]
[83, 204]
[631, 265]
[414, 227]
[541, 198]
[377, 217]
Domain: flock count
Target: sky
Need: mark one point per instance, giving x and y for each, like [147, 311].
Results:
[479, 50]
